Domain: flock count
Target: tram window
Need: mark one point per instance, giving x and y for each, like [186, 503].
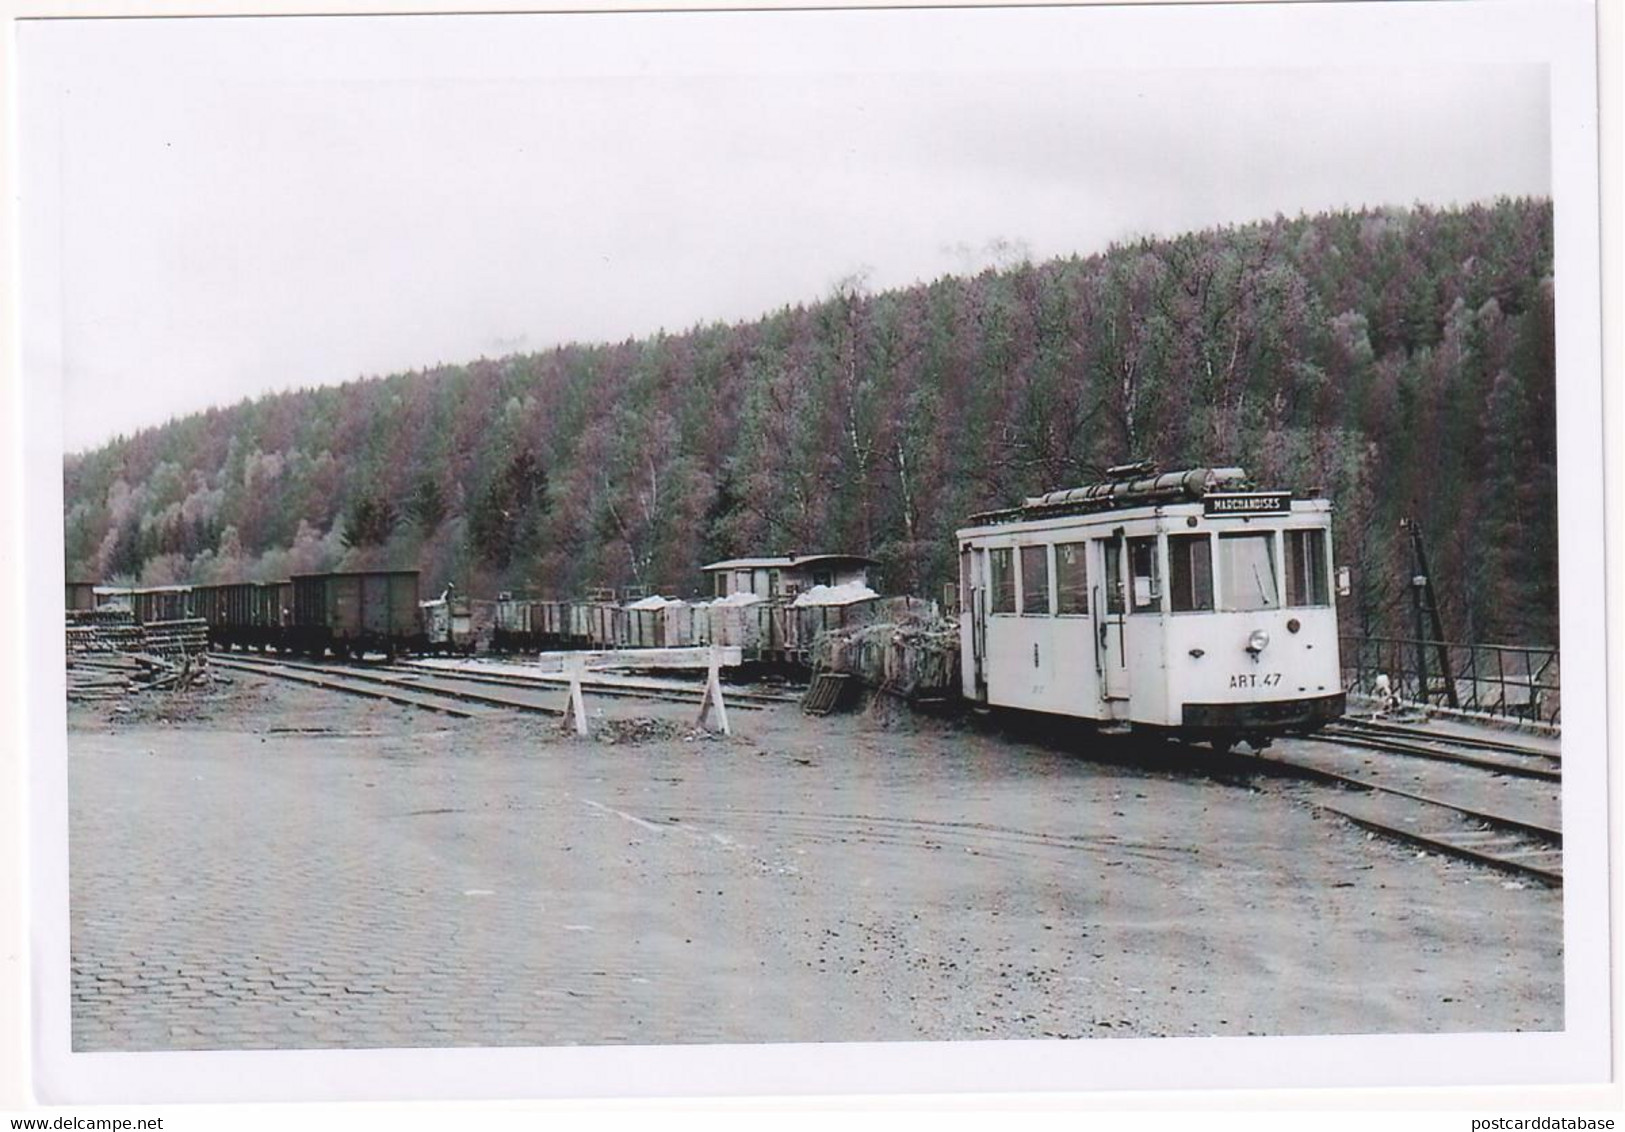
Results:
[1247, 571]
[964, 580]
[1035, 579]
[1190, 573]
[1306, 568]
[1147, 590]
[1071, 578]
[1002, 579]
[1113, 551]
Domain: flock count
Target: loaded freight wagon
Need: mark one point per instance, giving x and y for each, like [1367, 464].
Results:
[448, 624]
[147, 604]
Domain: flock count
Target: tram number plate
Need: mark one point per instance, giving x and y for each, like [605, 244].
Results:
[1255, 679]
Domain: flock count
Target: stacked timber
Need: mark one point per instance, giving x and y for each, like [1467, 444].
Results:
[103, 631]
[912, 654]
[115, 631]
[188, 636]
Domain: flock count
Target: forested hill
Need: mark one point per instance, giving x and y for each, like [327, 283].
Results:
[1399, 360]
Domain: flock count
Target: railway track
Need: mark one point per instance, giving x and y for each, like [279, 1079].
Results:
[1491, 843]
[437, 695]
[1522, 762]
[748, 699]
[1457, 739]
[427, 687]
[338, 682]
[1530, 849]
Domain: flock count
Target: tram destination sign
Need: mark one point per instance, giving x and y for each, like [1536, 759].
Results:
[1247, 503]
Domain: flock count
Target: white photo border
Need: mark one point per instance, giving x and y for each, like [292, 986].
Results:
[1559, 34]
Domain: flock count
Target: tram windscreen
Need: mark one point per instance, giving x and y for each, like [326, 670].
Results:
[1190, 573]
[1147, 593]
[1247, 572]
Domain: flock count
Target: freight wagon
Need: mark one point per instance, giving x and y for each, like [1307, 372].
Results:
[244, 615]
[768, 631]
[147, 604]
[81, 596]
[355, 612]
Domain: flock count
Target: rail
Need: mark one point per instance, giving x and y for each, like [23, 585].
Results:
[1514, 681]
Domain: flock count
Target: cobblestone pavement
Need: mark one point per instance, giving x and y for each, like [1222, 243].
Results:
[289, 869]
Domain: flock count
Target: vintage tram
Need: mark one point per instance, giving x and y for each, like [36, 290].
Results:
[1186, 603]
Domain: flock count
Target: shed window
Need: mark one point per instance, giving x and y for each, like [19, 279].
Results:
[1146, 590]
[1190, 572]
[721, 580]
[1247, 572]
[1002, 579]
[1071, 578]
[1306, 568]
[823, 577]
[1035, 579]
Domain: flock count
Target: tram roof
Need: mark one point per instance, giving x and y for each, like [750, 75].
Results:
[1219, 492]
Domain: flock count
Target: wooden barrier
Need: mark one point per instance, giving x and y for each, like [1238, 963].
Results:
[713, 659]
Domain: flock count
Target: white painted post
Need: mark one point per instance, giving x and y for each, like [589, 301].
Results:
[578, 706]
[713, 693]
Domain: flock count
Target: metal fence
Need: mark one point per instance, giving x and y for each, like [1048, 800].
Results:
[1518, 681]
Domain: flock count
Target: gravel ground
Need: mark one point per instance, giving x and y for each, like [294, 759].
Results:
[263, 865]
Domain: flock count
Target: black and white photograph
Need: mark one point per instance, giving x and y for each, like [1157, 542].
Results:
[729, 552]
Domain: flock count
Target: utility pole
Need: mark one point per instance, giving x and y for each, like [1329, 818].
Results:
[1425, 610]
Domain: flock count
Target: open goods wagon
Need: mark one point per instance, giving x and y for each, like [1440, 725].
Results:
[147, 604]
[356, 612]
[247, 615]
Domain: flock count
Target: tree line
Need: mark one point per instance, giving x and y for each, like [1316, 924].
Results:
[1399, 360]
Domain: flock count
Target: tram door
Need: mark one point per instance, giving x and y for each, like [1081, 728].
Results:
[1111, 634]
[973, 588]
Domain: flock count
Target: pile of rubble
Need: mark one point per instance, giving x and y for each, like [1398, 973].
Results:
[108, 676]
[618, 731]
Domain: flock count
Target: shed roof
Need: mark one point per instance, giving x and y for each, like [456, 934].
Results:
[784, 561]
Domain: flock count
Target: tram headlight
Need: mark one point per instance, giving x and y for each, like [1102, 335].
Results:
[1258, 641]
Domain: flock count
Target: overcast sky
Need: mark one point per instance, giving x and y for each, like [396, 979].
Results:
[217, 208]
